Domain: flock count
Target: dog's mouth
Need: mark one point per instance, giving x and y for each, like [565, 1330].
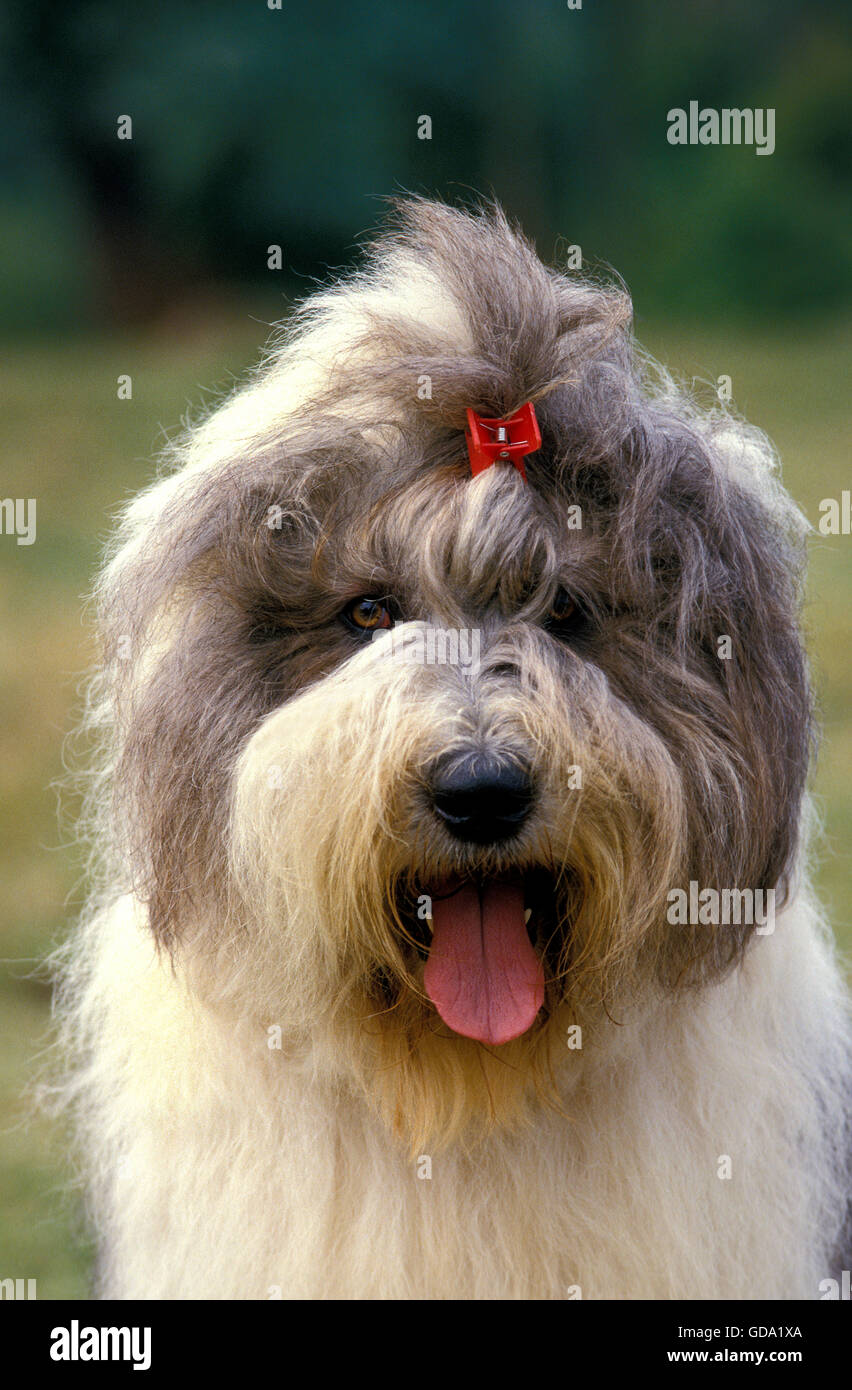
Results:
[483, 973]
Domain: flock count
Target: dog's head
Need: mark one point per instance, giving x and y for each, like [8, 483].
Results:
[412, 759]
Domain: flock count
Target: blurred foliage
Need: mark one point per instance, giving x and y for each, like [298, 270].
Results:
[254, 126]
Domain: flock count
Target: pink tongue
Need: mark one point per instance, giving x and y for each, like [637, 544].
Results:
[482, 975]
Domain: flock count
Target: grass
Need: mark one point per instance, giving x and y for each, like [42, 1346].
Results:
[69, 442]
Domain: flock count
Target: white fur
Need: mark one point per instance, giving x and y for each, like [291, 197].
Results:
[232, 1170]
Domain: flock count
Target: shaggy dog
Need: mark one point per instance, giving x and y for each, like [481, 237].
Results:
[452, 935]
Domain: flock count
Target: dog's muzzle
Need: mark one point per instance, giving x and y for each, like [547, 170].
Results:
[482, 974]
[481, 799]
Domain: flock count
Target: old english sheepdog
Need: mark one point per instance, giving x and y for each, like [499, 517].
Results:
[450, 933]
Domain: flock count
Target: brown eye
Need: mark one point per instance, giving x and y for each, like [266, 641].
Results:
[367, 614]
[562, 608]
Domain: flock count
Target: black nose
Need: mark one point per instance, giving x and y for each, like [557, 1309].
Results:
[482, 799]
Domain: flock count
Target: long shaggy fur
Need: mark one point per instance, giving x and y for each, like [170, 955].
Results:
[257, 1072]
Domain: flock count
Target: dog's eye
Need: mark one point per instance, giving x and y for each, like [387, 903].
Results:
[562, 609]
[567, 619]
[367, 615]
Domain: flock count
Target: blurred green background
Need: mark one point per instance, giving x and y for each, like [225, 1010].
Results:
[254, 126]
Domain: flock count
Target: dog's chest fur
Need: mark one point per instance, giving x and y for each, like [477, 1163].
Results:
[235, 1172]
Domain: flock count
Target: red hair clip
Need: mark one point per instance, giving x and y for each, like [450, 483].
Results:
[489, 441]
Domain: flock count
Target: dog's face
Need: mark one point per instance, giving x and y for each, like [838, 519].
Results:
[412, 759]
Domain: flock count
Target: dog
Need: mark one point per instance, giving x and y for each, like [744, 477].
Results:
[450, 933]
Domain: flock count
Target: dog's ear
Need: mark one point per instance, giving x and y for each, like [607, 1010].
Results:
[708, 549]
[749, 624]
[157, 601]
[721, 551]
[185, 675]
[765, 673]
